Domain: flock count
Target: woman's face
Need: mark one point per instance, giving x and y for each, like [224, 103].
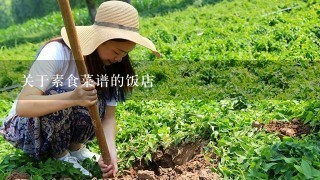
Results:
[113, 51]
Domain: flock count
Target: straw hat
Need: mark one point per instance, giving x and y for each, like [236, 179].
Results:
[114, 20]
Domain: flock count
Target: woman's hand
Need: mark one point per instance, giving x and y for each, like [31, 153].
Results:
[86, 94]
[108, 170]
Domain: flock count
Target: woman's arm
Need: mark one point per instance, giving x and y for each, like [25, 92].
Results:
[110, 130]
[33, 103]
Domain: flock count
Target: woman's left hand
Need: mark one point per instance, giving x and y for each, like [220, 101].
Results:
[110, 170]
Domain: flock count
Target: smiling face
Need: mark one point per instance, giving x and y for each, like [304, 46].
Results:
[113, 51]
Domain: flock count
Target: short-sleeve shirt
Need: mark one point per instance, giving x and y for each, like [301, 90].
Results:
[54, 66]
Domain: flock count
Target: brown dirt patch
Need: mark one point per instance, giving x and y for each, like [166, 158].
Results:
[180, 163]
[294, 128]
[18, 175]
[186, 162]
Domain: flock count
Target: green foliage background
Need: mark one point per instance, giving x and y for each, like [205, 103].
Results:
[224, 65]
[5, 16]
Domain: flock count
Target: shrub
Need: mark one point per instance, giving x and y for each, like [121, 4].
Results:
[5, 18]
[27, 9]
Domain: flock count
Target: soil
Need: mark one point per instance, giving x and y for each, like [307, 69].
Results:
[188, 161]
[17, 175]
[179, 163]
[294, 128]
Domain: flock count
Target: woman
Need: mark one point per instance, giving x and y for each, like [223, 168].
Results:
[50, 116]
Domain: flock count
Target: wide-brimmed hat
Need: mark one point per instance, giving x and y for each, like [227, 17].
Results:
[114, 20]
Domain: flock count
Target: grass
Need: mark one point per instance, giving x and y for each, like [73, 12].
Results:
[224, 65]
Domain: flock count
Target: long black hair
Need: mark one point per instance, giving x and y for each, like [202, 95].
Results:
[97, 69]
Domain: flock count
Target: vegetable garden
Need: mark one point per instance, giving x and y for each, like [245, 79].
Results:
[235, 94]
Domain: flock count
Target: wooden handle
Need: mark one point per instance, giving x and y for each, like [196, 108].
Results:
[82, 70]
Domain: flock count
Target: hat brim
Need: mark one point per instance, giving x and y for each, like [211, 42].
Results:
[90, 37]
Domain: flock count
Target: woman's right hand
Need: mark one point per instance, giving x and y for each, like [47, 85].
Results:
[86, 94]
[108, 171]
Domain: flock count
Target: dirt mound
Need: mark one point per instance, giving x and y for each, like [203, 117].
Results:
[184, 162]
[294, 128]
[178, 163]
[18, 175]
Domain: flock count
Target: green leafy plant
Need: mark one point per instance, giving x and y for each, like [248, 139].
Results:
[224, 66]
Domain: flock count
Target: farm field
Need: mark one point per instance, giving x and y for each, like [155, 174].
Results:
[235, 94]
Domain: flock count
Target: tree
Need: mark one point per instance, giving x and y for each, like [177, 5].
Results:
[5, 17]
[23, 10]
[91, 5]
[92, 9]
